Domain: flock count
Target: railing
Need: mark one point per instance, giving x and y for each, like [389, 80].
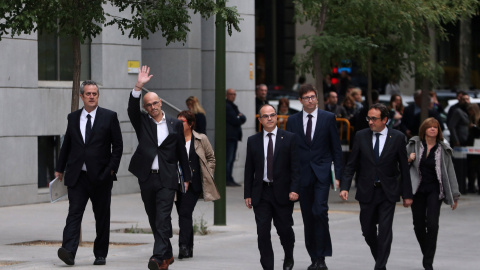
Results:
[344, 129]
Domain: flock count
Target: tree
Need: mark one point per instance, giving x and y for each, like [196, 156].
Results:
[82, 20]
[384, 37]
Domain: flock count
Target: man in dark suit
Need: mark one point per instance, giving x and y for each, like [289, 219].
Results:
[271, 185]
[411, 115]
[318, 145]
[378, 158]
[88, 161]
[235, 120]
[161, 146]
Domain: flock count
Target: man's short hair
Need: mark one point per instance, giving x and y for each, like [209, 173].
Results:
[382, 108]
[88, 82]
[305, 88]
[264, 106]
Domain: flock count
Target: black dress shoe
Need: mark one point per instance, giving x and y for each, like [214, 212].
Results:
[66, 256]
[100, 261]
[184, 252]
[233, 184]
[191, 252]
[318, 264]
[288, 264]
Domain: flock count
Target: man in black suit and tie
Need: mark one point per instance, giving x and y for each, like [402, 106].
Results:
[318, 146]
[88, 161]
[161, 146]
[378, 158]
[271, 185]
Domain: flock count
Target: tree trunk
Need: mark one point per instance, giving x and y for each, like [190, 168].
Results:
[426, 82]
[465, 53]
[369, 78]
[318, 73]
[77, 65]
[319, 80]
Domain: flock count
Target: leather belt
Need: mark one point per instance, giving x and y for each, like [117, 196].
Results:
[155, 171]
[268, 184]
[377, 184]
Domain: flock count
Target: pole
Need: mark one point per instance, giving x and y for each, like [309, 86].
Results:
[220, 213]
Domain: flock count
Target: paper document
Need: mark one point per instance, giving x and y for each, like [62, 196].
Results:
[334, 185]
[57, 190]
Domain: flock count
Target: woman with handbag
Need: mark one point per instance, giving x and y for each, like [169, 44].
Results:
[202, 165]
[433, 181]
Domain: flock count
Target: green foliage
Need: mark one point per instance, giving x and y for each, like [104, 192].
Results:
[392, 35]
[84, 18]
[200, 226]
[137, 230]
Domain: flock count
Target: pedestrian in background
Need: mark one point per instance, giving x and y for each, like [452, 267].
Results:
[200, 116]
[235, 120]
[433, 181]
[202, 166]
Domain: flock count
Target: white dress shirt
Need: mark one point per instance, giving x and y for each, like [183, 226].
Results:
[162, 129]
[314, 121]
[83, 123]
[382, 138]
[265, 150]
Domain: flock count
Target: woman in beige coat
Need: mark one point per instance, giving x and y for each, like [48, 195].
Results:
[202, 165]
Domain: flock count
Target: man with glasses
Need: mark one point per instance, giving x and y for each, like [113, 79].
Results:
[271, 185]
[318, 146]
[161, 146]
[378, 158]
[88, 162]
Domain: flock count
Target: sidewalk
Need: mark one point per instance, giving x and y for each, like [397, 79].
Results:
[234, 246]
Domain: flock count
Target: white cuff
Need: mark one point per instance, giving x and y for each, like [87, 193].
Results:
[136, 94]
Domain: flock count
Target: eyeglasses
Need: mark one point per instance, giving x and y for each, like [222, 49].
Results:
[154, 104]
[312, 98]
[266, 116]
[93, 94]
[368, 118]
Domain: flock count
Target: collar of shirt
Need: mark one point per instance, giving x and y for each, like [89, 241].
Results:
[265, 133]
[92, 113]
[384, 132]
[314, 114]
[164, 120]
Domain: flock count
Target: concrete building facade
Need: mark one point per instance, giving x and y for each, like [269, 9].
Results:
[32, 109]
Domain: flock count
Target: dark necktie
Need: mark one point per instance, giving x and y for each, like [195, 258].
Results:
[376, 148]
[270, 158]
[309, 129]
[88, 128]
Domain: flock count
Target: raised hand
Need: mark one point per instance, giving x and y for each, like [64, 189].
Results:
[143, 77]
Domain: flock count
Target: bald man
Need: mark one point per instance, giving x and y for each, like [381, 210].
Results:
[161, 145]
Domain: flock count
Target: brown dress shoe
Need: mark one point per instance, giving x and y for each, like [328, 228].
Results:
[164, 265]
[171, 260]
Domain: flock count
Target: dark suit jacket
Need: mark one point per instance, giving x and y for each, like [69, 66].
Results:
[171, 151]
[101, 154]
[285, 167]
[324, 149]
[234, 122]
[393, 162]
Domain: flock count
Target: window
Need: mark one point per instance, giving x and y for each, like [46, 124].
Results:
[48, 151]
[55, 58]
